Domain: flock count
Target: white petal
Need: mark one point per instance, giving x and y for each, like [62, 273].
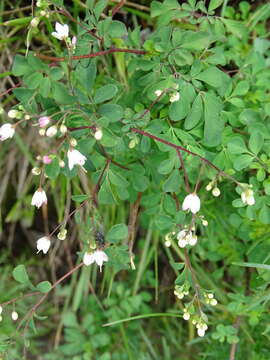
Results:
[57, 35]
[186, 202]
[88, 259]
[65, 30]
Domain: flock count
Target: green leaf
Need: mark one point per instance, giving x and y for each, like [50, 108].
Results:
[195, 114]
[213, 124]
[44, 286]
[117, 232]
[140, 182]
[216, 78]
[113, 112]
[61, 95]
[52, 170]
[237, 145]
[242, 162]
[79, 198]
[241, 88]
[256, 142]
[235, 27]
[105, 93]
[117, 29]
[196, 40]
[214, 4]
[172, 184]
[264, 215]
[20, 274]
[20, 66]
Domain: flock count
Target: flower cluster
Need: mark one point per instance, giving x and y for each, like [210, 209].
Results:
[247, 196]
[181, 291]
[209, 299]
[186, 237]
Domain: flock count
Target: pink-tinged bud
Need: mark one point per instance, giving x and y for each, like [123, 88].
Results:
[44, 121]
[74, 41]
[46, 159]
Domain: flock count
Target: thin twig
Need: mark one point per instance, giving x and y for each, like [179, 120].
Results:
[184, 169]
[179, 147]
[118, 7]
[97, 187]
[92, 55]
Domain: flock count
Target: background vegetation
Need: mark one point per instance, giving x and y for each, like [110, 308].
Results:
[216, 54]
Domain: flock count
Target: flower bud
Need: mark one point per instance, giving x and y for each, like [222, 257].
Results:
[1, 309]
[205, 223]
[27, 117]
[14, 315]
[98, 134]
[61, 164]
[43, 121]
[36, 171]
[213, 302]
[13, 113]
[174, 97]
[73, 142]
[74, 41]
[43, 13]
[186, 316]
[158, 93]
[34, 22]
[167, 243]
[63, 129]
[216, 192]
[51, 131]
[132, 144]
[46, 159]
[42, 132]
[62, 234]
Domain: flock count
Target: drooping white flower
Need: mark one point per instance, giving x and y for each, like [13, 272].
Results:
[39, 198]
[61, 32]
[192, 202]
[14, 315]
[99, 257]
[200, 332]
[174, 97]
[1, 310]
[247, 197]
[75, 158]
[6, 131]
[43, 244]
[51, 131]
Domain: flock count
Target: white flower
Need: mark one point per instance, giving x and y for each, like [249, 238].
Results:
[99, 257]
[174, 97]
[51, 131]
[75, 158]
[43, 121]
[186, 316]
[39, 198]
[216, 192]
[98, 134]
[63, 129]
[14, 315]
[201, 332]
[209, 186]
[192, 240]
[61, 32]
[1, 310]
[192, 202]
[6, 131]
[247, 197]
[167, 243]
[205, 223]
[158, 93]
[43, 244]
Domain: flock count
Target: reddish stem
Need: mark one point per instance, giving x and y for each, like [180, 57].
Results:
[10, 89]
[87, 56]
[118, 7]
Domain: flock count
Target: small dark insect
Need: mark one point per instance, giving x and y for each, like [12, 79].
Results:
[100, 239]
